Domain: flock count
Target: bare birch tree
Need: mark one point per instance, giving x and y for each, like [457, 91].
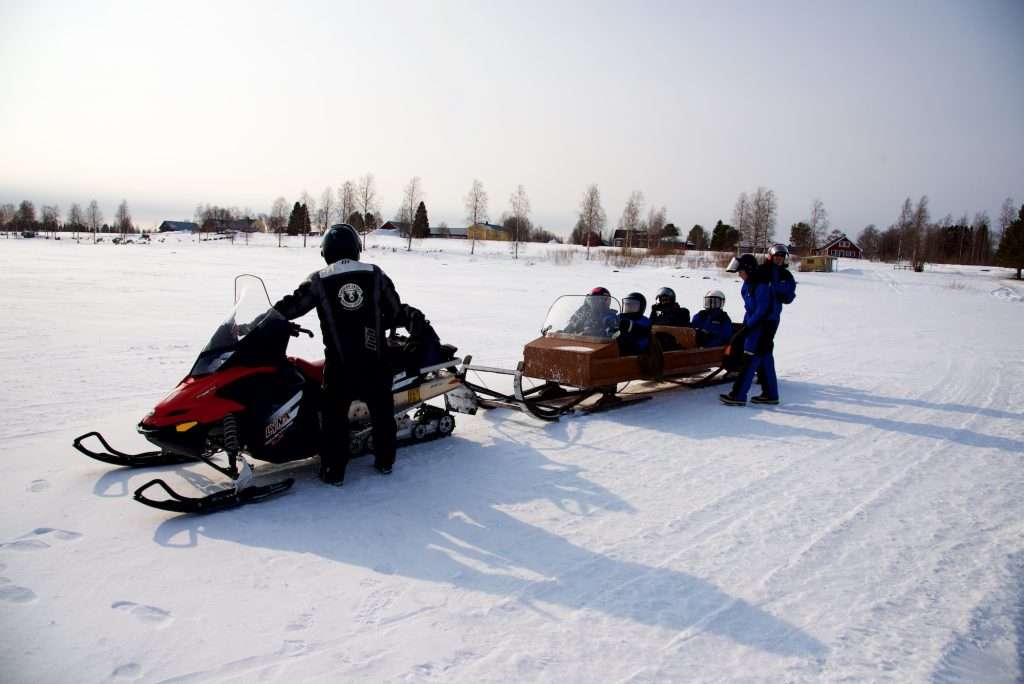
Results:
[75, 219]
[346, 201]
[7, 212]
[520, 209]
[366, 199]
[307, 201]
[51, 217]
[476, 209]
[94, 218]
[764, 211]
[123, 218]
[1007, 215]
[278, 218]
[918, 226]
[655, 226]
[818, 222]
[410, 201]
[326, 211]
[630, 219]
[741, 218]
[592, 216]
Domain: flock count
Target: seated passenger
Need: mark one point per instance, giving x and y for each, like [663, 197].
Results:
[634, 327]
[667, 312]
[596, 317]
[714, 328]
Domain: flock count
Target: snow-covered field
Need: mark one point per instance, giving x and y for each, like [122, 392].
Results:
[871, 528]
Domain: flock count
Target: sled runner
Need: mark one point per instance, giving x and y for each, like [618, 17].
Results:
[244, 397]
[576, 365]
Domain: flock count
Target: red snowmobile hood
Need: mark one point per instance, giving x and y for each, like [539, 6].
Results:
[195, 399]
[314, 370]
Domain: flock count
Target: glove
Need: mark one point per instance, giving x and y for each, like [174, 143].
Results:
[625, 325]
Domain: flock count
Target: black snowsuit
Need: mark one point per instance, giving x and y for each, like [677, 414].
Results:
[670, 314]
[357, 305]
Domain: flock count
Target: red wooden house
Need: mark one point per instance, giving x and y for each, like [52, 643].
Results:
[840, 246]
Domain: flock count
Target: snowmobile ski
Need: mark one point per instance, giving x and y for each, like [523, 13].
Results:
[218, 501]
[120, 458]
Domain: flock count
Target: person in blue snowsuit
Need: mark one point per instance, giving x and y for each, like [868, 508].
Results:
[634, 326]
[712, 323]
[760, 321]
[784, 288]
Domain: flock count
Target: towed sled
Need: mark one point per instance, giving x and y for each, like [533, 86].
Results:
[575, 366]
[244, 397]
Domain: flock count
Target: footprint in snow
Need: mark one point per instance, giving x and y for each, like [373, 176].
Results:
[149, 614]
[126, 671]
[12, 593]
[40, 538]
[38, 486]
[300, 623]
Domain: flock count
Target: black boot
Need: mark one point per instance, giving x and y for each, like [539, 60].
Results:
[332, 473]
[730, 400]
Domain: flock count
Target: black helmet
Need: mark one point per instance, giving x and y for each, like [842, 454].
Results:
[779, 250]
[634, 302]
[341, 241]
[744, 262]
[666, 295]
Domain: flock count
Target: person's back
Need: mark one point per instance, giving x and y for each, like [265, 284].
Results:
[357, 304]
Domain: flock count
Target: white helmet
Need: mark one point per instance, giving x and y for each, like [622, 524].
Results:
[714, 299]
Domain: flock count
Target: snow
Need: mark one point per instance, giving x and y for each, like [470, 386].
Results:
[869, 528]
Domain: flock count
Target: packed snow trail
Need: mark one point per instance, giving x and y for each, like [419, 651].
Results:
[869, 528]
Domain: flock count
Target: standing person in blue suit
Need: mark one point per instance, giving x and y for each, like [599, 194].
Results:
[775, 270]
[760, 321]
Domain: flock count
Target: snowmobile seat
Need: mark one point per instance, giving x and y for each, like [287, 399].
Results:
[314, 370]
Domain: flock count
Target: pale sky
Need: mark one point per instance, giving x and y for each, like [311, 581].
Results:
[172, 104]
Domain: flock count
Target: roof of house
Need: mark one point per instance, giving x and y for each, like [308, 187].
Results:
[833, 241]
[435, 230]
[178, 225]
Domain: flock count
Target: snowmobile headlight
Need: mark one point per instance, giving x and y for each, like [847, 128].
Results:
[185, 427]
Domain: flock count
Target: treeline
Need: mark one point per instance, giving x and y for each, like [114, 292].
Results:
[24, 218]
[914, 236]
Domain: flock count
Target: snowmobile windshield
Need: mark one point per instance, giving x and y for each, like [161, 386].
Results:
[252, 307]
[592, 316]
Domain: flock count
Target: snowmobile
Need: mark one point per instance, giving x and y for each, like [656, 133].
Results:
[575, 366]
[245, 397]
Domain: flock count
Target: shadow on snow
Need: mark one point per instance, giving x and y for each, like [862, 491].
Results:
[443, 521]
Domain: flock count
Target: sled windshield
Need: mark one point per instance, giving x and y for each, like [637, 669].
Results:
[591, 316]
[252, 307]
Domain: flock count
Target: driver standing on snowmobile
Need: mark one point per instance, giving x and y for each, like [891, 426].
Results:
[356, 304]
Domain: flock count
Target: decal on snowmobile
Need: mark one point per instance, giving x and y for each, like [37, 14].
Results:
[281, 419]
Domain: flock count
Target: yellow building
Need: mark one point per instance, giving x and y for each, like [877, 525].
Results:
[486, 231]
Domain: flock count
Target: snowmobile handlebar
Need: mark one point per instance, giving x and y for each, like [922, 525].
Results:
[297, 330]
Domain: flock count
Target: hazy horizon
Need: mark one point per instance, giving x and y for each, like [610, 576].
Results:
[235, 104]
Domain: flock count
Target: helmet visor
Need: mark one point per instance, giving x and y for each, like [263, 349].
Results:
[630, 306]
